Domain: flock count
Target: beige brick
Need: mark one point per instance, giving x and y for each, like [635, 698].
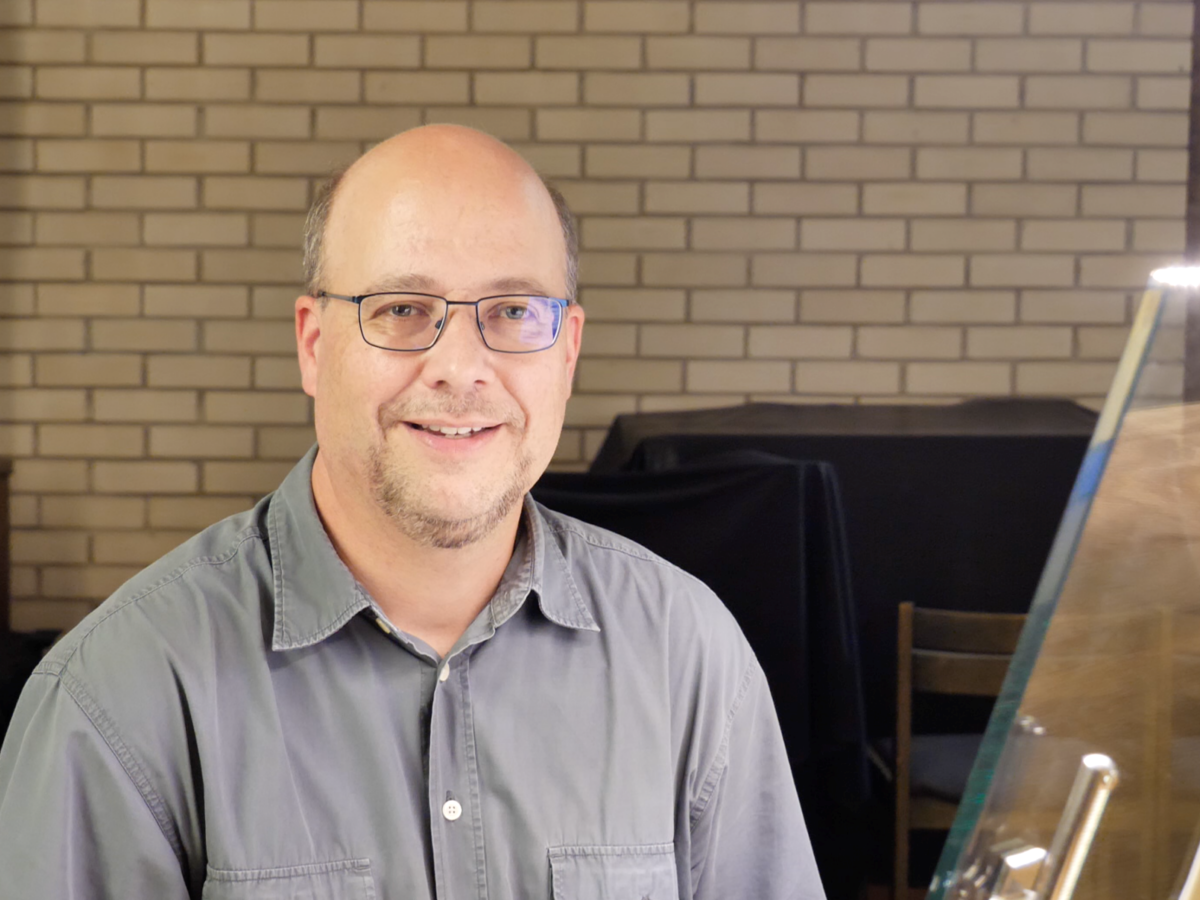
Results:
[807, 54]
[805, 199]
[969, 18]
[16, 370]
[1163, 93]
[633, 233]
[87, 299]
[306, 15]
[693, 197]
[48, 476]
[144, 477]
[108, 441]
[144, 406]
[738, 377]
[205, 371]
[38, 264]
[88, 370]
[16, 81]
[198, 84]
[483, 52]
[27, 45]
[531, 88]
[870, 91]
[699, 126]
[915, 127]
[1073, 306]
[16, 299]
[143, 334]
[607, 197]
[607, 269]
[88, 156]
[524, 16]
[1064, 378]
[958, 378]
[49, 547]
[1102, 343]
[416, 17]
[193, 300]
[806, 126]
[802, 270]
[616, 375]
[257, 121]
[638, 305]
[1026, 128]
[201, 441]
[360, 51]
[599, 409]
[699, 269]
[743, 305]
[255, 407]
[1078, 92]
[1022, 270]
[277, 372]
[307, 86]
[963, 306]
[16, 155]
[1019, 342]
[277, 230]
[728, 233]
[673, 402]
[856, 163]
[255, 193]
[206, 14]
[507, 125]
[1023, 200]
[716, 162]
[636, 16]
[968, 164]
[747, 17]
[16, 228]
[852, 306]
[42, 334]
[1076, 18]
[1158, 236]
[1165, 19]
[914, 199]
[1026, 55]
[83, 13]
[145, 47]
[364, 124]
[303, 158]
[256, 477]
[1136, 129]
[416, 87]
[695, 52]
[1121, 271]
[42, 119]
[41, 405]
[96, 582]
[143, 120]
[1166, 201]
[966, 91]
[637, 162]
[253, 266]
[88, 82]
[143, 265]
[1141, 57]
[191, 229]
[847, 377]
[192, 512]
[800, 341]
[918, 55]
[693, 341]
[87, 228]
[592, 124]
[621, 89]
[1073, 234]
[912, 270]
[963, 234]
[1080, 165]
[839, 17]
[136, 547]
[852, 234]
[86, 511]
[909, 342]
[285, 441]
[757, 89]
[259, 50]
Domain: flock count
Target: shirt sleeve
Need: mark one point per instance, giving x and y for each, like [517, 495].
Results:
[73, 822]
[748, 837]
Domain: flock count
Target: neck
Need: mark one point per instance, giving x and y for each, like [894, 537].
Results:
[441, 591]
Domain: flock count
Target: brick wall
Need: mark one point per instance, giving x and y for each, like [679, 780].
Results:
[804, 201]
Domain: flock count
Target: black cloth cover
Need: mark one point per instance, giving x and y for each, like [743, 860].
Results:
[766, 535]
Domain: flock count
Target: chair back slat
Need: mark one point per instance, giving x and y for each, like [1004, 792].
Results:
[946, 672]
[967, 632]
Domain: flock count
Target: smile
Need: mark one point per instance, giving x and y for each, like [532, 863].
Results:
[450, 430]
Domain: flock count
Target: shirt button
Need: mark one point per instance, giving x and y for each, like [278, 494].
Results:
[443, 675]
[452, 809]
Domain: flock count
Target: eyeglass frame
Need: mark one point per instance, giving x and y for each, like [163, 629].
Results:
[562, 303]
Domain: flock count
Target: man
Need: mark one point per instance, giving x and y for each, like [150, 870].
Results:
[397, 676]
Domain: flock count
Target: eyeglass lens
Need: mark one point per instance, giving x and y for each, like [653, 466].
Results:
[517, 324]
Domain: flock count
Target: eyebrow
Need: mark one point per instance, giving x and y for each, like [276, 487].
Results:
[413, 281]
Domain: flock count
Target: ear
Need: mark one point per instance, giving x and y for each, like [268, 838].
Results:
[308, 341]
[572, 336]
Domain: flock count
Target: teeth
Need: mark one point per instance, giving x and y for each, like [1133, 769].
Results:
[449, 431]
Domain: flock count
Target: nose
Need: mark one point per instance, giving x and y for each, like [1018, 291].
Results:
[459, 360]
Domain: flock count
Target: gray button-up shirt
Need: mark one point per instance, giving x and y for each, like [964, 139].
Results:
[241, 721]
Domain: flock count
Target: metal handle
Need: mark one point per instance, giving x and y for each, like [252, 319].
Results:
[1094, 783]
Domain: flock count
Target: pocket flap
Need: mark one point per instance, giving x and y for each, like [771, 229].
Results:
[600, 872]
[345, 879]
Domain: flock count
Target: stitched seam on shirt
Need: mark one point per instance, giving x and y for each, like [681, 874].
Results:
[717, 769]
[106, 728]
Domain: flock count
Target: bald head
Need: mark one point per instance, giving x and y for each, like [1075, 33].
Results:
[430, 167]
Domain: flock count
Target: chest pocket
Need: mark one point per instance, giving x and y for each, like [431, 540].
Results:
[345, 879]
[636, 872]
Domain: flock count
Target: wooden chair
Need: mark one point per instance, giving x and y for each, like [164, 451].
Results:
[940, 652]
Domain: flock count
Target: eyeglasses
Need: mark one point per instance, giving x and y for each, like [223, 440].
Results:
[515, 323]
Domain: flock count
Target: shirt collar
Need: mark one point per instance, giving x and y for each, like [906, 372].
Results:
[315, 594]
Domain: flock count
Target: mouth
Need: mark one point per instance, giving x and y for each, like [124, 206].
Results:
[452, 431]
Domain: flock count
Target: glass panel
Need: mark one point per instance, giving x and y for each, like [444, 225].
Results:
[1109, 660]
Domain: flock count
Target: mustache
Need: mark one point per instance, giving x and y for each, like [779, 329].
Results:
[400, 411]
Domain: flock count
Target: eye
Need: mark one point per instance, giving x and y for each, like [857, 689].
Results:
[513, 311]
[400, 310]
